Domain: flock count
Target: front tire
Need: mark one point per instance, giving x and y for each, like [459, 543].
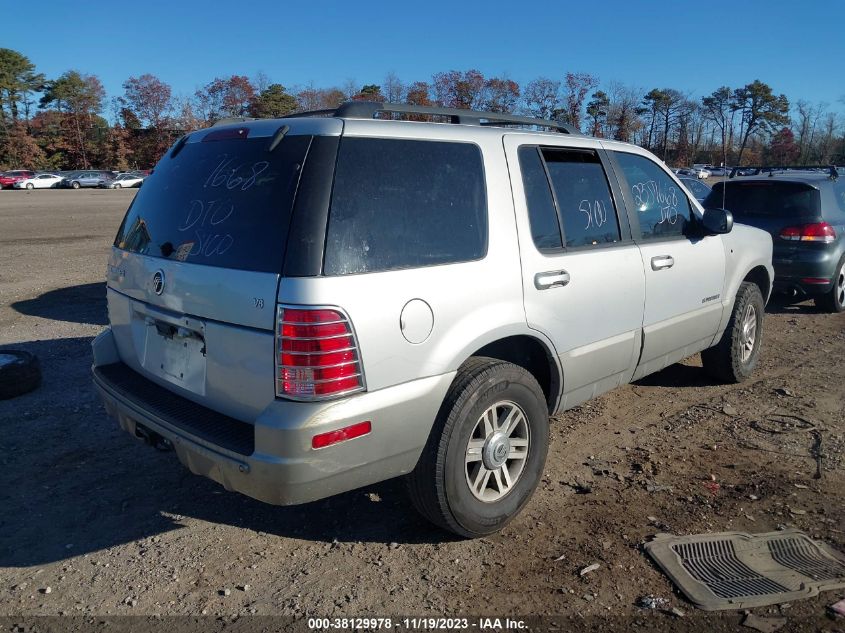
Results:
[834, 301]
[117, 185]
[735, 356]
[75, 185]
[30, 186]
[486, 451]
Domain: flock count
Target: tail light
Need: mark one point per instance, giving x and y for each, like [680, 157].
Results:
[817, 232]
[316, 354]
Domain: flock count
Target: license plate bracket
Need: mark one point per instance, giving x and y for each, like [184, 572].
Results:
[177, 354]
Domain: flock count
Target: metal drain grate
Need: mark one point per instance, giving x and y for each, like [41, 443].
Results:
[715, 564]
[733, 570]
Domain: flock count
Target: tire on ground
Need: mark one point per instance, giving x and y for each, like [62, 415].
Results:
[834, 301]
[438, 485]
[724, 360]
[20, 373]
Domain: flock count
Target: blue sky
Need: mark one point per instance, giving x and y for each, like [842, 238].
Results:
[694, 46]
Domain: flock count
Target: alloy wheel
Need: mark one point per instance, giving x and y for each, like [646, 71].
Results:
[497, 451]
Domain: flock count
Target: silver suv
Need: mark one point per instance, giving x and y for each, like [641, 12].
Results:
[304, 306]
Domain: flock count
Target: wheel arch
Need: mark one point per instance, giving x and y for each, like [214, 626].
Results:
[533, 355]
[760, 276]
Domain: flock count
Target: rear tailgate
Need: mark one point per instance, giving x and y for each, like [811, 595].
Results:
[769, 204]
[194, 271]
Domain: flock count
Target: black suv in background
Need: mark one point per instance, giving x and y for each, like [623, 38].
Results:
[804, 211]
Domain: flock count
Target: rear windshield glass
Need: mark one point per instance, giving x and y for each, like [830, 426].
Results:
[760, 198]
[402, 203]
[224, 203]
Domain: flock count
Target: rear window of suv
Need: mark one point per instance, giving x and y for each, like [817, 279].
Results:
[760, 198]
[224, 203]
[400, 203]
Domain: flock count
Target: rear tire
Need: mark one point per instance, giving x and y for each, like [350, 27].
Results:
[486, 451]
[834, 301]
[735, 356]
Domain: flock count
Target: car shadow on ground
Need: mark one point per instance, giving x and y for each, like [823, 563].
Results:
[678, 375]
[75, 484]
[781, 304]
[85, 303]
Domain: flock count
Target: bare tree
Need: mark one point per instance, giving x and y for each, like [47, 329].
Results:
[576, 88]
[542, 98]
[718, 108]
[393, 88]
[623, 112]
[261, 81]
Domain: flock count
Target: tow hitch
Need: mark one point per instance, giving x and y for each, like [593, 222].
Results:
[152, 438]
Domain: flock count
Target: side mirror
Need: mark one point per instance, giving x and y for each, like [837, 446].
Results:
[717, 221]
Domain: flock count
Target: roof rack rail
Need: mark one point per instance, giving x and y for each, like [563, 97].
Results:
[369, 109]
[833, 173]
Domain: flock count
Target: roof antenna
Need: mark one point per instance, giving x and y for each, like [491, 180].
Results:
[725, 165]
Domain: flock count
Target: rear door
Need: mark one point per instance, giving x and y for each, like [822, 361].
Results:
[195, 267]
[582, 276]
[684, 272]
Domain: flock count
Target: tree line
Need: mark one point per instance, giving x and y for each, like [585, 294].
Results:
[59, 123]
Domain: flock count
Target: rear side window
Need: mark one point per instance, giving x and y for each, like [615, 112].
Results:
[223, 203]
[662, 206]
[542, 215]
[583, 197]
[761, 198]
[404, 203]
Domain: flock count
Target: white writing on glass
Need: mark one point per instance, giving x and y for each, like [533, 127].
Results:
[204, 217]
[226, 175]
[649, 194]
[596, 212]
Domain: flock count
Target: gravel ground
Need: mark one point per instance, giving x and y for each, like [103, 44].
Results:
[95, 523]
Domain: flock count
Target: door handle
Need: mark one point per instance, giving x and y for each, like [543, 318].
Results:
[662, 261]
[551, 279]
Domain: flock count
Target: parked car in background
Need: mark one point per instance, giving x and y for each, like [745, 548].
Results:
[743, 171]
[86, 178]
[9, 178]
[691, 172]
[122, 181]
[305, 306]
[40, 181]
[804, 211]
[698, 189]
[683, 171]
[718, 172]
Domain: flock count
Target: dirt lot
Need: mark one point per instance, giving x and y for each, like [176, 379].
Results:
[94, 522]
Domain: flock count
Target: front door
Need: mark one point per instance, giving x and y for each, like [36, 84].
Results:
[684, 272]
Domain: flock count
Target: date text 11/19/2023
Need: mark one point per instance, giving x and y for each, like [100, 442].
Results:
[415, 623]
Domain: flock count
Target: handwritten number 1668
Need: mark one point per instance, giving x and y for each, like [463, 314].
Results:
[227, 175]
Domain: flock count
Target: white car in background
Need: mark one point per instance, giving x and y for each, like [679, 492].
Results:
[124, 180]
[40, 181]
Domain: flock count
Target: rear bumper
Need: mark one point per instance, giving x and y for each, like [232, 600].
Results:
[272, 459]
[793, 266]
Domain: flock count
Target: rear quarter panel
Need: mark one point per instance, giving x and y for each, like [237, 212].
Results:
[473, 303]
